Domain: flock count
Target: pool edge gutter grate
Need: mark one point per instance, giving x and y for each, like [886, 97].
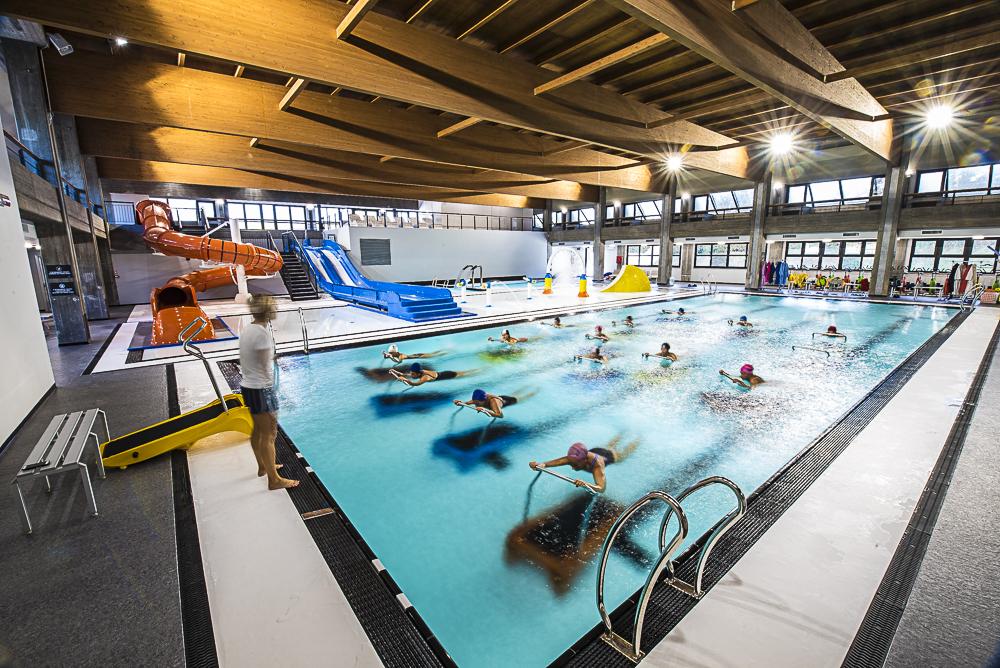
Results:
[873, 641]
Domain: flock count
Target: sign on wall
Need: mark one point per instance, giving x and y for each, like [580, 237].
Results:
[60, 278]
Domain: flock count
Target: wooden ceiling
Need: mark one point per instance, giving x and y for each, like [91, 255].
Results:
[526, 100]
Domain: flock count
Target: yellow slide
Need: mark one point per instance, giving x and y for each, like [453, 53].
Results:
[629, 279]
[182, 431]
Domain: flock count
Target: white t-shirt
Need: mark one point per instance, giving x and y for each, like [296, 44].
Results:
[257, 357]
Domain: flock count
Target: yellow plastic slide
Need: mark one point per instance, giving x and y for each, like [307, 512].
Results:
[629, 279]
[182, 431]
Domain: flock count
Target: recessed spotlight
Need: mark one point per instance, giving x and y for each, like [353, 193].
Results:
[782, 143]
[563, 209]
[778, 185]
[675, 162]
[939, 116]
[220, 202]
[616, 202]
[978, 237]
[909, 172]
[826, 241]
[120, 41]
[685, 195]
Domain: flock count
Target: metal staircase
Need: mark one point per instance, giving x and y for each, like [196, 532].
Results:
[296, 278]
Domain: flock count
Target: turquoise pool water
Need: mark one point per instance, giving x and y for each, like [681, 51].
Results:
[503, 570]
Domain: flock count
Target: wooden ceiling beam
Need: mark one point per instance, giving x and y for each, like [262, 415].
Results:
[500, 9]
[586, 41]
[240, 69]
[181, 58]
[593, 67]
[551, 23]
[742, 43]
[382, 57]
[169, 172]
[293, 92]
[421, 7]
[111, 139]
[457, 127]
[163, 95]
[354, 17]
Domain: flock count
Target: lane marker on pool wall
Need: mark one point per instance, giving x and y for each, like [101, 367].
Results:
[403, 601]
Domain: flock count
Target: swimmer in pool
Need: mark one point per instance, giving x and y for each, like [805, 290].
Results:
[492, 404]
[627, 322]
[678, 312]
[664, 353]
[393, 354]
[599, 334]
[505, 337]
[742, 322]
[418, 375]
[832, 332]
[594, 355]
[594, 461]
[556, 322]
[747, 379]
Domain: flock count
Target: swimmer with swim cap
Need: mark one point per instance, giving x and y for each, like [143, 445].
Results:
[599, 334]
[418, 375]
[679, 311]
[742, 322]
[556, 322]
[393, 354]
[747, 379]
[594, 461]
[832, 332]
[664, 353]
[505, 337]
[628, 322]
[594, 355]
[491, 404]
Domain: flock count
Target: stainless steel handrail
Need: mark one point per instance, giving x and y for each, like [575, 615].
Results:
[695, 590]
[970, 297]
[562, 477]
[819, 350]
[195, 351]
[305, 332]
[632, 648]
[274, 246]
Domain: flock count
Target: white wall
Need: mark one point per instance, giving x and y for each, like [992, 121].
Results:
[421, 254]
[136, 274]
[476, 209]
[24, 357]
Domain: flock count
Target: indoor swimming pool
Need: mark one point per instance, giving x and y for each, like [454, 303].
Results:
[502, 566]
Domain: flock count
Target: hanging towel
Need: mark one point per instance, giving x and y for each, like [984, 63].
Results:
[782, 273]
[949, 284]
[963, 283]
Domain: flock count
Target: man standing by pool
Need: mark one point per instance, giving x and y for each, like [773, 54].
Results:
[257, 367]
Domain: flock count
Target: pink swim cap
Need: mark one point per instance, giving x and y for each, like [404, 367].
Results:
[746, 368]
[599, 328]
[577, 451]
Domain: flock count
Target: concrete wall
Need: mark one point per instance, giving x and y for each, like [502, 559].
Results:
[425, 254]
[24, 356]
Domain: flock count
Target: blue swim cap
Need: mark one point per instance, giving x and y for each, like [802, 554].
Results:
[479, 395]
[416, 368]
[743, 318]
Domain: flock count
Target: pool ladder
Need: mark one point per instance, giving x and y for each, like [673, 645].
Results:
[971, 296]
[631, 648]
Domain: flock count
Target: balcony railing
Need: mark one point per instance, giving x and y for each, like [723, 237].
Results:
[951, 197]
[826, 206]
[46, 169]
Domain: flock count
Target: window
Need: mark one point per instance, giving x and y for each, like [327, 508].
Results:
[969, 179]
[675, 261]
[583, 216]
[941, 254]
[744, 199]
[183, 210]
[930, 182]
[721, 255]
[831, 256]
[643, 256]
[641, 210]
[856, 191]
[835, 193]
[797, 195]
[825, 192]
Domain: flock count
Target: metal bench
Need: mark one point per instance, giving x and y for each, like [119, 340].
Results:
[60, 450]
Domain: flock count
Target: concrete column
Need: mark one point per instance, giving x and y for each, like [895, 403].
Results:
[598, 247]
[548, 216]
[68, 308]
[757, 246]
[666, 243]
[24, 74]
[687, 261]
[885, 241]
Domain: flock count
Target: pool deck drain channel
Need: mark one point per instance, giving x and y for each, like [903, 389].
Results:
[874, 637]
[766, 504]
[400, 637]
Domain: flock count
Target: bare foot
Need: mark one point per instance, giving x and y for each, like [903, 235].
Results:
[261, 474]
[282, 483]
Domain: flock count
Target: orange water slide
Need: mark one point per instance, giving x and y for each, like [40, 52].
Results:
[175, 305]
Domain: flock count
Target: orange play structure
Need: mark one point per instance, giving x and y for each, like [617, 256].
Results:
[175, 304]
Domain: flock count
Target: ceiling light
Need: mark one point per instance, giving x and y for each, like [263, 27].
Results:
[120, 41]
[616, 202]
[563, 209]
[778, 185]
[939, 116]
[978, 237]
[685, 195]
[909, 172]
[220, 202]
[782, 143]
[674, 163]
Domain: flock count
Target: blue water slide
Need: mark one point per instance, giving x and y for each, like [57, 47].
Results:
[336, 274]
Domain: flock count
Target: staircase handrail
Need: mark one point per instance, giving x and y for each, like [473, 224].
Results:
[291, 242]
